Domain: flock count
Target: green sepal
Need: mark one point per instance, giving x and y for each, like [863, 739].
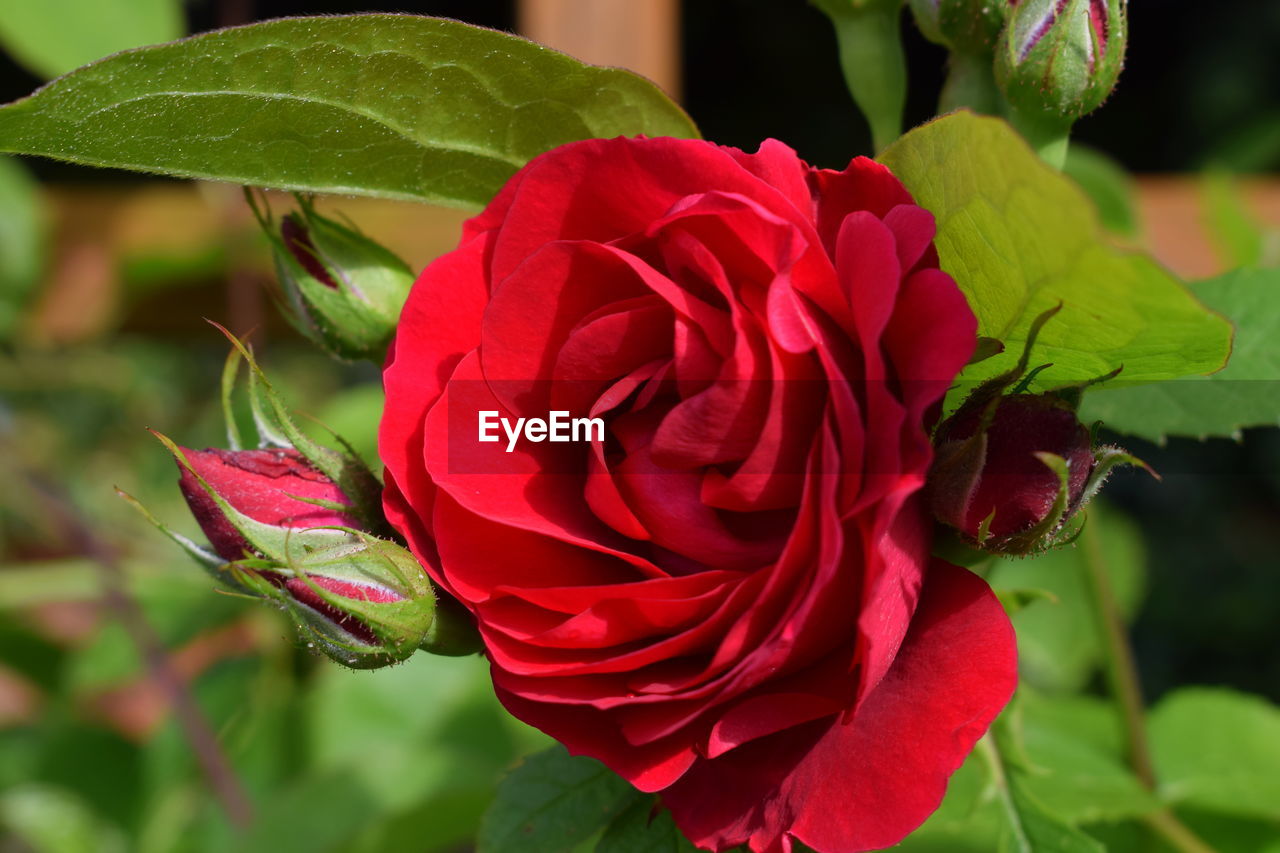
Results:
[353, 316]
[985, 349]
[347, 471]
[1106, 460]
[401, 627]
[202, 555]
[949, 545]
[230, 370]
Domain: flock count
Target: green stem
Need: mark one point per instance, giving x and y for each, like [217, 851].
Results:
[871, 57]
[1122, 671]
[1175, 832]
[971, 84]
[1049, 136]
[1122, 679]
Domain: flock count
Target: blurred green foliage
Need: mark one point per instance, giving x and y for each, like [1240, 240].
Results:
[331, 759]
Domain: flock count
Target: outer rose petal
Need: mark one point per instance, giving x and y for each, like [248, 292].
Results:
[863, 786]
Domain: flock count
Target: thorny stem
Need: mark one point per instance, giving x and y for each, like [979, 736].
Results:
[1122, 678]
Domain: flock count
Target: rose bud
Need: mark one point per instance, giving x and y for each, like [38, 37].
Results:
[1011, 471]
[1059, 60]
[966, 26]
[339, 288]
[269, 486]
[970, 29]
[364, 602]
[284, 533]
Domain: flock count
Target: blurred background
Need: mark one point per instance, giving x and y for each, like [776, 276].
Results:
[139, 710]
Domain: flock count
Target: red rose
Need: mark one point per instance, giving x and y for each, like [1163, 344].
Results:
[730, 598]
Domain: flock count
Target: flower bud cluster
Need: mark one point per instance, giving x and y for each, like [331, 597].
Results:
[1054, 60]
[296, 524]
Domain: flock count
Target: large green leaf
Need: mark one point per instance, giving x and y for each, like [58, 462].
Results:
[1019, 238]
[1077, 781]
[54, 36]
[552, 802]
[397, 106]
[1219, 750]
[1245, 394]
[1029, 825]
[1051, 765]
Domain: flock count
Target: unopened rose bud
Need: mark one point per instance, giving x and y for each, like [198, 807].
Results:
[966, 26]
[991, 480]
[1060, 59]
[269, 486]
[1011, 469]
[341, 289]
[285, 534]
[364, 602]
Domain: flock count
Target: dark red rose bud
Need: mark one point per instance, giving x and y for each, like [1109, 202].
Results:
[994, 479]
[265, 485]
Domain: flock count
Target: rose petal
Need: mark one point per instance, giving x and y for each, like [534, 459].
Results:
[865, 784]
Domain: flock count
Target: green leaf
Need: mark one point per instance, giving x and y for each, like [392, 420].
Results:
[1032, 829]
[1218, 750]
[55, 36]
[1050, 765]
[1108, 186]
[1028, 826]
[1019, 238]
[1245, 394]
[551, 802]
[22, 228]
[1080, 782]
[640, 830]
[1058, 640]
[396, 106]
